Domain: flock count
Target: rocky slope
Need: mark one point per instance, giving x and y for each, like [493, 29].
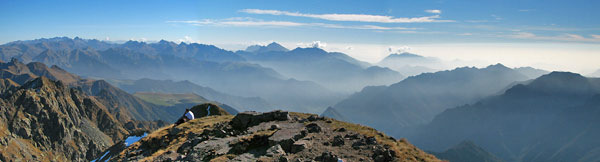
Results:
[44, 120]
[271, 136]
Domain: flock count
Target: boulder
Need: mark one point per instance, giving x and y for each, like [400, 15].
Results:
[250, 118]
[313, 128]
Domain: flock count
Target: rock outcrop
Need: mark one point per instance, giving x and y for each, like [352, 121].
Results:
[44, 120]
[270, 136]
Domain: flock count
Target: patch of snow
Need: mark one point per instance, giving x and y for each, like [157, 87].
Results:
[132, 139]
[208, 111]
[101, 156]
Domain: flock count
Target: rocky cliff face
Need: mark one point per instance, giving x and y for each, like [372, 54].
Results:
[44, 120]
[271, 136]
[49, 114]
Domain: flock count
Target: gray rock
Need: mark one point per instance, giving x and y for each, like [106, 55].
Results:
[275, 150]
[299, 146]
[247, 119]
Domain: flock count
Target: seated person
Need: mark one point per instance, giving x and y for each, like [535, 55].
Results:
[186, 117]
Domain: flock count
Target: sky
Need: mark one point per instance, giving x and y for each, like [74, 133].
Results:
[549, 34]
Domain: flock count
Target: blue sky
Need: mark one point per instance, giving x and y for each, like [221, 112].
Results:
[338, 25]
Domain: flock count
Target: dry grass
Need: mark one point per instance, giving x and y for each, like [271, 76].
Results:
[175, 141]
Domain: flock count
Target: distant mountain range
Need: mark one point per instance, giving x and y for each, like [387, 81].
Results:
[552, 118]
[206, 65]
[334, 70]
[412, 64]
[417, 99]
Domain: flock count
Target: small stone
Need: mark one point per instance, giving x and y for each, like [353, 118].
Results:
[337, 141]
[274, 127]
[341, 130]
[371, 140]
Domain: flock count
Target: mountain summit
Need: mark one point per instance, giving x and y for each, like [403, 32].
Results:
[272, 47]
[270, 136]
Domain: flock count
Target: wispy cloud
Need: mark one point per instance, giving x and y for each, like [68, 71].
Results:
[261, 23]
[434, 11]
[562, 37]
[350, 17]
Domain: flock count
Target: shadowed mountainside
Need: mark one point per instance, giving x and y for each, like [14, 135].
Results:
[552, 118]
[416, 100]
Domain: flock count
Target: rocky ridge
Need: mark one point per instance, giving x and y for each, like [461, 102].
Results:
[270, 136]
[44, 120]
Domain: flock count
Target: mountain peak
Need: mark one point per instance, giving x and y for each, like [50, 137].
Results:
[40, 82]
[564, 83]
[497, 66]
[561, 78]
[271, 47]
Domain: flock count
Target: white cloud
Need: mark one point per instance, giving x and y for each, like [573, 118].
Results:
[350, 17]
[434, 11]
[402, 49]
[562, 37]
[139, 40]
[314, 44]
[317, 44]
[257, 22]
[186, 39]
